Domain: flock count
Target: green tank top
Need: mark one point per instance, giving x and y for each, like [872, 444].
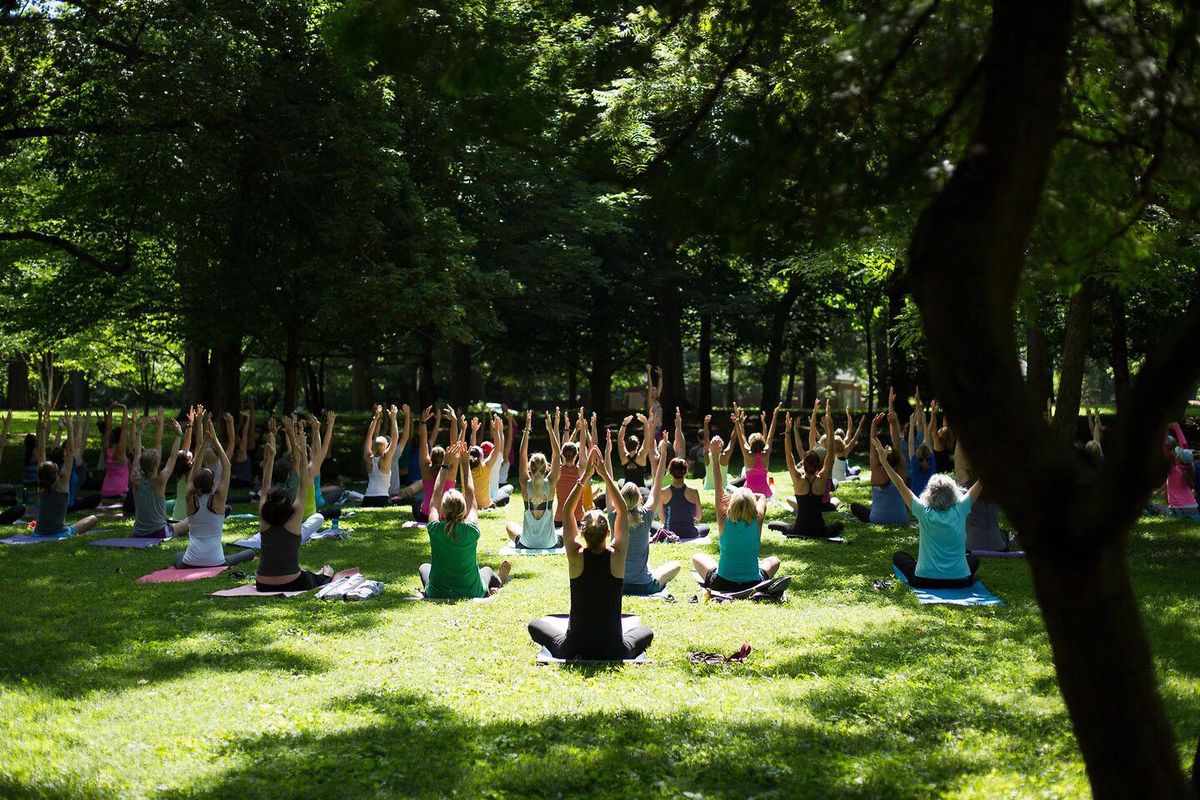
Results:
[453, 565]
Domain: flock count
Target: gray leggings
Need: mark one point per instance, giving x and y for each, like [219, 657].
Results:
[490, 581]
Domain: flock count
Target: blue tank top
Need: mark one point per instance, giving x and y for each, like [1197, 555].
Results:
[681, 514]
[739, 551]
[637, 551]
[887, 507]
[918, 478]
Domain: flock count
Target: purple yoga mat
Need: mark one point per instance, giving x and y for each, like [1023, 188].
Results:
[131, 542]
[173, 575]
[248, 590]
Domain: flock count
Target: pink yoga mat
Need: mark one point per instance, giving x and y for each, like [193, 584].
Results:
[248, 590]
[173, 575]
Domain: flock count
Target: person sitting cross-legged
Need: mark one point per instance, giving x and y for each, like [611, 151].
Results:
[941, 511]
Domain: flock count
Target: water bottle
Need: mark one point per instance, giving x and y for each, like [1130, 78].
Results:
[334, 525]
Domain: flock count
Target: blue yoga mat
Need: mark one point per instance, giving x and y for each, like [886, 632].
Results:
[23, 538]
[974, 595]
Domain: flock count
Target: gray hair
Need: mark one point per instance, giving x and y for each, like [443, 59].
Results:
[941, 493]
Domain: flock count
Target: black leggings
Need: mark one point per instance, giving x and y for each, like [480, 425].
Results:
[86, 503]
[861, 512]
[230, 560]
[304, 581]
[788, 529]
[11, 515]
[551, 633]
[376, 501]
[908, 566]
[489, 578]
[701, 531]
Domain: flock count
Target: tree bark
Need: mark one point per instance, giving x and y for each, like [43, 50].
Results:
[1074, 356]
[600, 380]
[731, 380]
[899, 376]
[870, 359]
[428, 389]
[572, 382]
[79, 390]
[1037, 355]
[291, 372]
[772, 375]
[793, 365]
[705, 347]
[810, 383]
[360, 382]
[460, 374]
[195, 376]
[1119, 349]
[225, 368]
[18, 384]
[1072, 519]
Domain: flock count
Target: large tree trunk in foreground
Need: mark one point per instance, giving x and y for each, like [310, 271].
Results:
[1074, 356]
[1073, 520]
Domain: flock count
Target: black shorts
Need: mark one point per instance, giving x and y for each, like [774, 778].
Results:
[304, 581]
[719, 584]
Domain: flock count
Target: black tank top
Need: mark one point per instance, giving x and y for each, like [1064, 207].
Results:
[280, 555]
[635, 472]
[594, 629]
[809, 520]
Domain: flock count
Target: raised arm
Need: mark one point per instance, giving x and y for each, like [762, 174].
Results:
[912, 439]
[475, 431]
[303, 472]
[679, 445]
[268, 470]
[468, 484]
[660, 469]
[135, 474]
[830, 455]
[876, 421]
[647, 443]
[975, 490]
[369, 442]
[789, 457]
[570, 524]
[222, 491]
[449, 463]
[621, 441]
[523, 465]
[158, 433]
[620, 531]
[608, 451]
[395, 438]
[64, 475]
[498, 443]
[406, 434]
[812, 426]
[718, 484]
[168, 469]
[905, 493]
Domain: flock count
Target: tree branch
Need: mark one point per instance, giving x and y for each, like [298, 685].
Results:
[68, 247]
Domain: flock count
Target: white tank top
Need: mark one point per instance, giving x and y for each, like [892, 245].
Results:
[204, 536]
[378, 483]
[840, 472]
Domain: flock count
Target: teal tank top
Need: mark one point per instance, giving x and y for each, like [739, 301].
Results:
[739, 551]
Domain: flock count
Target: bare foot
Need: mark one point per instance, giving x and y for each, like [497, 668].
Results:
[326, 570]
[502, 574]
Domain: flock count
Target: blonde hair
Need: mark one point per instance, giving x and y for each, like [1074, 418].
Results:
[454, 510]
[149, 462]
[381, 445]
[743, 507]
[594, 529]
[538, 482]
[631, 495]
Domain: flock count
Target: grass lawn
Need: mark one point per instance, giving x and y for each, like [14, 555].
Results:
[111, 689]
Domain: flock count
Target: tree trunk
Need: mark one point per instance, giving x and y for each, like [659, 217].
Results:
[705, 395]
[195, 376]
[899, 377]
[18, 384]
[1072, 519]
[1075, 345]
[731, 380]
[1037, 355]
[226, 372]
[882, 367]
[810, 383]
[600, 381]
[667, 348]
[360, 382]
[772, 375]
[870, 360]
[460, 374]
[79, 390]
[291, 372]
[572, 382]
[793, 365]
[1119, 349]
[428, 390]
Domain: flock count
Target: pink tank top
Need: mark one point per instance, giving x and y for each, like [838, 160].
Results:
[427, 492]
[756, 477]
[116, 476]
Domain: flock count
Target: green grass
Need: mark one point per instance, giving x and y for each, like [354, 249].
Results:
[111, 689]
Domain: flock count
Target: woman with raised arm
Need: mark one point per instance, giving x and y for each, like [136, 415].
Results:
[635, 452]
[116, 458]
[809, 488]
[678, 504]
[432, 459]
[739, 520]
[757, 454]
[538, 478]
[844, 442]
[150, 488]
[280, 521]
[639, 517]
[378, 454]
[887, 508]
[453, 571]
[483, 461]
[726, 454]
[206, 507]
[941, 511]
[922, 464]
[53, 485]
[596, 569]
[243, 468]
[653, 399]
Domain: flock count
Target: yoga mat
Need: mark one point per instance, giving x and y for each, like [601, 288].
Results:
[421, 597]
[999, 553]
[173, 575]
[255, 541]
[974, 595]
[413, 524]
[130, 542]
[833, 539]
[241, 516]
[25, 538]
[661, 594]
[698, 540]
[627, 621]
[528, 551]
[248, 590]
